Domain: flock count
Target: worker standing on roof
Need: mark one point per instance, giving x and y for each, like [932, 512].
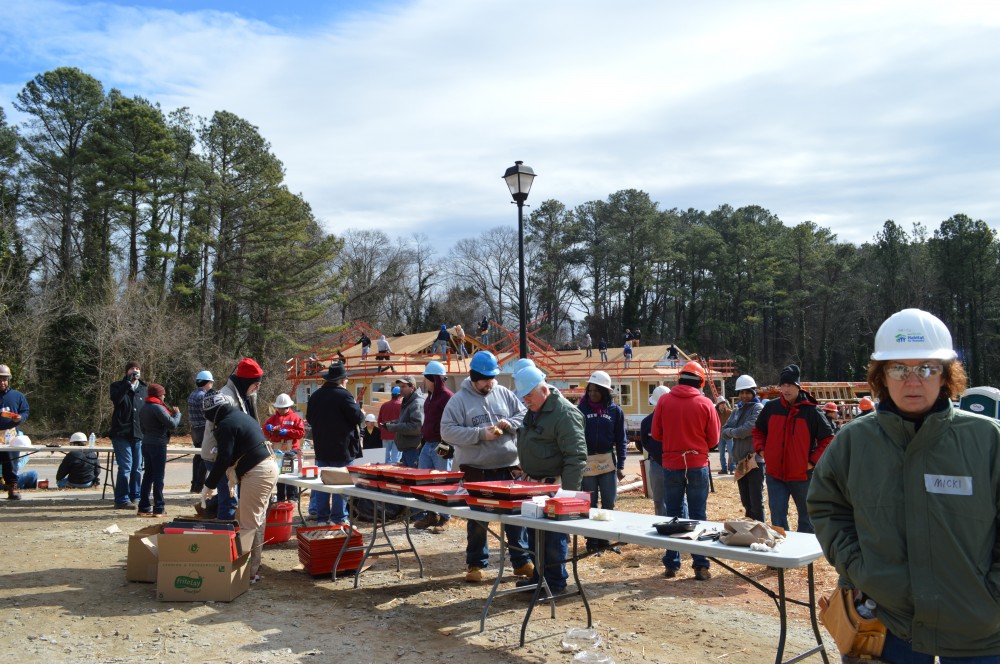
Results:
[384, 352]
[441, 342]
[602, 347]
[627, 355]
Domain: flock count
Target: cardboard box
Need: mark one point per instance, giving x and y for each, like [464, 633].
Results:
[199, 568]
[141, 565]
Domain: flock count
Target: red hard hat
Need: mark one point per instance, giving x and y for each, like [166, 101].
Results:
[830, 407]
[866, 404]
[694, 369]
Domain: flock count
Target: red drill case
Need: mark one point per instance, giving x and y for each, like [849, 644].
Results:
[564, 509]
[510, 489]
[440, 495]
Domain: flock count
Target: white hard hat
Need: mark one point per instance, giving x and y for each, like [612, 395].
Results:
[283, 401]
[720, 399]
[913, 334]
[745, 382]
[78, 437]
[600, 378]
[660, 390]
[370, 417]
[21, 441]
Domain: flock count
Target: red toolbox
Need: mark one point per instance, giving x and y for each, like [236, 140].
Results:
[419, 476]
[371, 471]
[563, 509]
[319, 546]
[396, 488]
[440, 495]
[365, 483]
[494, 505]
[510, 489]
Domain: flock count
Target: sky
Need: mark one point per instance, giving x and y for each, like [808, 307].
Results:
[403, 115]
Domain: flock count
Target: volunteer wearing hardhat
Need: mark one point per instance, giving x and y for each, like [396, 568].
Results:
[434, 455]
[371, 433]
[791, 434]
[480, 422]
[203, 383]
[79, 469]
[738, 428]
[552, 448]
[285, 429]
[13, 411]
[866, 406]
[652, 450]
[389, 412]
[905, 501]
[686, 423]
[244, 454]
[605, 435]
[831, 411]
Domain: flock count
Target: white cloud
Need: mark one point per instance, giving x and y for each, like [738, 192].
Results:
[403, 117]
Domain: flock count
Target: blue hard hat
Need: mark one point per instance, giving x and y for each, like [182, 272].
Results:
[204, 375]
[435, 368]
[485, 362]
[395, 391]
[526, 380]
[520, 364]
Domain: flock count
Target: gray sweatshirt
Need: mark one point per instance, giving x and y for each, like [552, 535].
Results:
[466, 418]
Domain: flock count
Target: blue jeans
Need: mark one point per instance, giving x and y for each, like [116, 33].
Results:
[477, 550]
[429, 459]
[28, 479]
[226, 510]
[778, 493]
[691, 484]
[556, 552]
[898, 651]
[128, 455]
[392, 454]
[330, 507]
[726, 450]
[440, 346]
[154, 461]
[410, 458]
[64, 483]
[605, 485]
[654, 478]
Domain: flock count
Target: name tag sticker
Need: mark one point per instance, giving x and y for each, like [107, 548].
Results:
[954, 485]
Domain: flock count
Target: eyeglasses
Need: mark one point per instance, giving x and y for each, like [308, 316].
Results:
[922, 371]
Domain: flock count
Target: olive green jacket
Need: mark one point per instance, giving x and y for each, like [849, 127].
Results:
[551, 442]
[909, 517]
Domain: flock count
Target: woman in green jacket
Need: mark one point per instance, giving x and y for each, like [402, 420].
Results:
[905, 503]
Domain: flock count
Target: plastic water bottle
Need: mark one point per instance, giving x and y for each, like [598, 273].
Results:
[866, 607]
[278, 456]
[92, 440]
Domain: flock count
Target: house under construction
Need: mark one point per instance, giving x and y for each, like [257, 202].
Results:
[372, 379]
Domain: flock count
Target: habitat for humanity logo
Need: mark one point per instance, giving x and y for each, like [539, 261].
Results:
[191, 583]
[909, 338]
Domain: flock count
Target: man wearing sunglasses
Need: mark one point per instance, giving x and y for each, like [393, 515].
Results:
[791, 434]
[905, 502]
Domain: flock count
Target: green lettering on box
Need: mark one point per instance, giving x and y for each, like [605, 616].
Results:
[192, 582]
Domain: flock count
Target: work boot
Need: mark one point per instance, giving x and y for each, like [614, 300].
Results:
[526, 570]
[474, 574]
[702, 574]
[442, 525]
[428, 520]
[12, 492]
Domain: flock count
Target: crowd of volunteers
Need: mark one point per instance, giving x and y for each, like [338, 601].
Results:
[903, 499]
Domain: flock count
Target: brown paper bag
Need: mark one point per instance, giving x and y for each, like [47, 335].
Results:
[744, 532]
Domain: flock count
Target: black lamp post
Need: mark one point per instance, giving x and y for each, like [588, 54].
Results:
[519, 178]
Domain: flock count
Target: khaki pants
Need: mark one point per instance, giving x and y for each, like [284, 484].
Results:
[251, 512]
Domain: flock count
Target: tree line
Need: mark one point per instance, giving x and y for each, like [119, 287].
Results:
[127, 232]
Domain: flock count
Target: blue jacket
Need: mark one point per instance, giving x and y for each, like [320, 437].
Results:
[15, 402]
[605, 433]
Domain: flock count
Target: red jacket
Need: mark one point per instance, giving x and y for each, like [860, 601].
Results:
[791, 436]
[685, 420]
[290, 421]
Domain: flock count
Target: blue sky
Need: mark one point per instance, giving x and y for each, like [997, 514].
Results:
[403, 115]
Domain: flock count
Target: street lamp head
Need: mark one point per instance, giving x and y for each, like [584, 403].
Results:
[519, 178]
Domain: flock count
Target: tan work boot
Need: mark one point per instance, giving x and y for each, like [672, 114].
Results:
[12, 492]
[527, 570]
[429, 520]
[442, 525]
[474, 574]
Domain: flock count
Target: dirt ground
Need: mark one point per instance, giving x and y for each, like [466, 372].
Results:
[65, 599]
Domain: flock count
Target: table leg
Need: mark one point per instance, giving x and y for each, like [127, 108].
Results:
[496, 583]
[109, 474]
[579, 584]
